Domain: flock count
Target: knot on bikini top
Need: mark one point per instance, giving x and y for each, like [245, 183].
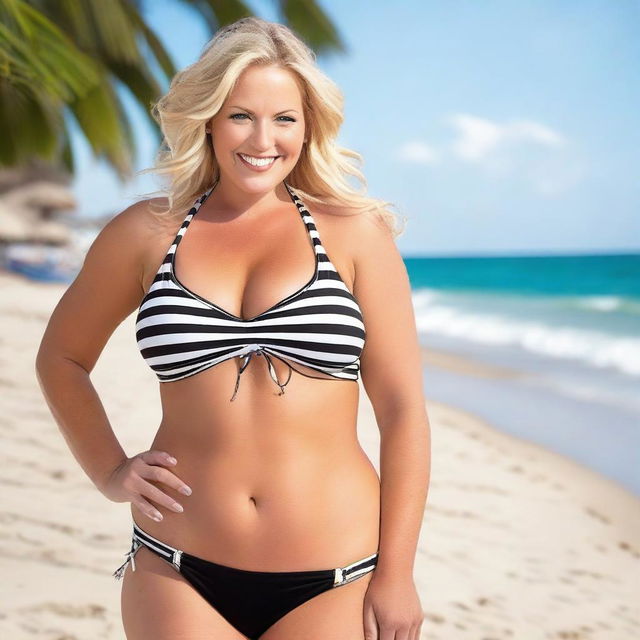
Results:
[259, 350]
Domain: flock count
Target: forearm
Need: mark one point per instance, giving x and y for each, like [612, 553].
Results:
[405, 461]
[80, 415]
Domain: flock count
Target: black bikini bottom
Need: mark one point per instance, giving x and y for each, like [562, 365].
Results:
[251, 601]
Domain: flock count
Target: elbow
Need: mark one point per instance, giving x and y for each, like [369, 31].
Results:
[40, 364]
[43, 361]
[49, 365]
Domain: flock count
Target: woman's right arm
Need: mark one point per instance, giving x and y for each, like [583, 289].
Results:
[105, 292]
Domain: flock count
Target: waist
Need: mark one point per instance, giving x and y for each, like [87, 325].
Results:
[297, 505]
[257, 451]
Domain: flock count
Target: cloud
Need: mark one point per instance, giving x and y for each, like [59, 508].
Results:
[517, 149]
[416, 152]
[477, 138]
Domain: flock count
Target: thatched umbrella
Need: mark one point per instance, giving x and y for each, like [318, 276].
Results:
[28, 213]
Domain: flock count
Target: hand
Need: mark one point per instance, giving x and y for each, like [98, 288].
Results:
[127, 483]
[392, 609]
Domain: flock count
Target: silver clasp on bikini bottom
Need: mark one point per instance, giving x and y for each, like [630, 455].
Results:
[175, 561]
[337, 576]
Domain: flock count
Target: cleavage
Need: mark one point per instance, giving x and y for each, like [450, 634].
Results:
[245, 269]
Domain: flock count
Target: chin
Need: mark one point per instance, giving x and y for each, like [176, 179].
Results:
[259, 181]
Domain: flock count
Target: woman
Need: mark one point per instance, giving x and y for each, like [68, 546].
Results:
[278, 258]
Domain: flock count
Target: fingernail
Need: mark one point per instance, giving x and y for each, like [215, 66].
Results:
[157, 516]
[172, 460]
[185, 490]
[178, 507]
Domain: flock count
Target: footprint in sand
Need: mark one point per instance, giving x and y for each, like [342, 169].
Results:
[67, 610]
[625, 546]
[598, 516]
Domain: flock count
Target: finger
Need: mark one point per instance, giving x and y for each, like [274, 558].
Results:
[155, 456]
[149, 490]
[146, 508]
[370, 624]
[160, 474]
[387, 633]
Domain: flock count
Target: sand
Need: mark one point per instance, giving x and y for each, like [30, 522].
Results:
[517, 541]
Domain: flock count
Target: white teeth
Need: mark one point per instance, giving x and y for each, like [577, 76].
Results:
[258, 162]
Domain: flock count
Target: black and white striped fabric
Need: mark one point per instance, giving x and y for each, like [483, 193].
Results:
[320, 326]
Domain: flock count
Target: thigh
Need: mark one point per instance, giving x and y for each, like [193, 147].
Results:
[337, 614]
[157, 602]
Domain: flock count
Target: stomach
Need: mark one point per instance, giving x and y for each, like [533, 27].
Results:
[280, 482]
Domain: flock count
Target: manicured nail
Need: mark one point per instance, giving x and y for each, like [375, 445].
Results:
[157, 516]
[178, 507]
[172, 460]
[185, 490]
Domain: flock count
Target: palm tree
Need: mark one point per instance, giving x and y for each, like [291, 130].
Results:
[66, 58]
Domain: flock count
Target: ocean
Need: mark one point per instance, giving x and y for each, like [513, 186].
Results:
[570, 325]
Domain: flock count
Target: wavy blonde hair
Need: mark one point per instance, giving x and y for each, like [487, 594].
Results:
[198, 92]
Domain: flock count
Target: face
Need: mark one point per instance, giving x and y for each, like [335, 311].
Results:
[261, 118]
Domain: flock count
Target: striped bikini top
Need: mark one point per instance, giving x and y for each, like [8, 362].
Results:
[180, 333]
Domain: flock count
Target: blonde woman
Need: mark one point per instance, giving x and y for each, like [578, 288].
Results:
[264, 288]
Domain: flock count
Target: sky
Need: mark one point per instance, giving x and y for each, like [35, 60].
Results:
[494, 127]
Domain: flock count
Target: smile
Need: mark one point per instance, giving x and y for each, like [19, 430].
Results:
[257, 164]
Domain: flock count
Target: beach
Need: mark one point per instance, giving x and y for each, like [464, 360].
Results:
[517, 541]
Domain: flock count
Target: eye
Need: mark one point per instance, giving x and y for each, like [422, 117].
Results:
[233, 117]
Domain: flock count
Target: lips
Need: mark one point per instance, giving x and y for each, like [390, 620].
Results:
[258, 168]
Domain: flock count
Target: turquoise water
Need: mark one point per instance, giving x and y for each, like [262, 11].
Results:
[582, 275]
[570, 327]
[582, 308]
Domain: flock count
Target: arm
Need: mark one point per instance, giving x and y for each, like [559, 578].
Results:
[107, 289]
[391, 370]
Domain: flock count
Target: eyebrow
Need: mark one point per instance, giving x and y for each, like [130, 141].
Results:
[253, 114]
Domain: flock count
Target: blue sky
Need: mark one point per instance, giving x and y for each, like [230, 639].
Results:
[497, 128]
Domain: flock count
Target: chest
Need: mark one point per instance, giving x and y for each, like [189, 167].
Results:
[246, 266]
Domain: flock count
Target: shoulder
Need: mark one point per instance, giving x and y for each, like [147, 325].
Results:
[360, 233]
[130, 239]
[360, 244]
[136, 230]
[138, 222]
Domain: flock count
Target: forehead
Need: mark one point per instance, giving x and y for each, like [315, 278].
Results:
[260, 85]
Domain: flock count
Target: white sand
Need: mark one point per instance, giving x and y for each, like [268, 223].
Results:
[517, 542]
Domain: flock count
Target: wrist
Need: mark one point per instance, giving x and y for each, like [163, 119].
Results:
[102, 482]
[396, 570]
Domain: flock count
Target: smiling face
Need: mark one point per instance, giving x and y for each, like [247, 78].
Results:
[261, 119]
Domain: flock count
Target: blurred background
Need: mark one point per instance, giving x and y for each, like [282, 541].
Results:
[508, 135]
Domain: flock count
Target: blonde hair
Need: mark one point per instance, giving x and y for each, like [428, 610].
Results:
[198, 92]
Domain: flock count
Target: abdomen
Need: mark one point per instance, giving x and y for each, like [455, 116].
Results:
[277, 486]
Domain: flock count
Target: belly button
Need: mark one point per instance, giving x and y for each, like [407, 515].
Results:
[253, 500]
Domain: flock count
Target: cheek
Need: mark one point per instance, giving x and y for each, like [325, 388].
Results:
[292, 138]
[228, 136]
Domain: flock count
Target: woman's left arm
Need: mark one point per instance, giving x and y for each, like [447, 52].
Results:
[391, 371]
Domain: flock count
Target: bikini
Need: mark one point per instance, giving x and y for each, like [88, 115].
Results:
[180, 333]
[320, 326]
[251, 601]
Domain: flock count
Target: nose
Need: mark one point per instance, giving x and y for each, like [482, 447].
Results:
[263, 136]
